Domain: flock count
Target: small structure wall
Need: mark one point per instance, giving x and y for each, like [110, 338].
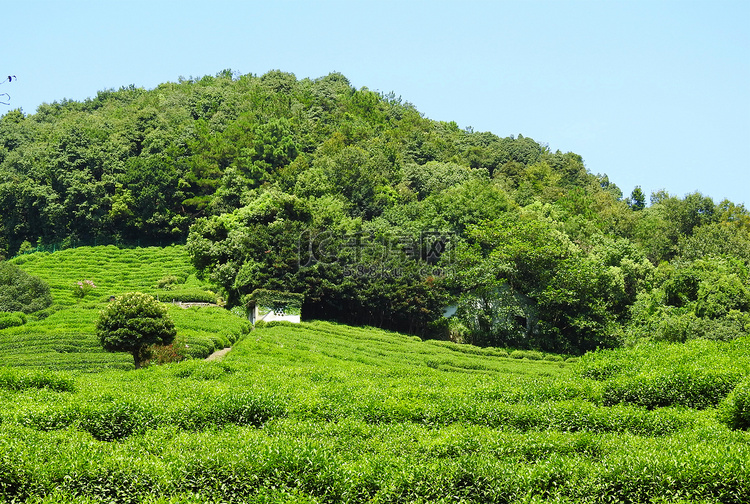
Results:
[266, 314]
[265, 305]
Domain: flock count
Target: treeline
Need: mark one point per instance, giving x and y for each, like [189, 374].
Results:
[379, 215]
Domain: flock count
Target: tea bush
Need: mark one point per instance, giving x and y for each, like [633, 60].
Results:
[690, 388]
[20, 379]
[734, 411]
[526, 354]
[12, 319]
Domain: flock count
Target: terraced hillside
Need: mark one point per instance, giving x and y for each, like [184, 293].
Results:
[63, 336]
[324, 413]
[327, 413]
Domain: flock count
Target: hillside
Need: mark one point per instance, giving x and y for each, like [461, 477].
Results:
[320, 412]
[378, 215]
[64, 337]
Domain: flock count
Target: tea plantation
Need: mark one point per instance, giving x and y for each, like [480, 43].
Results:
[326, 413]
[63, 336]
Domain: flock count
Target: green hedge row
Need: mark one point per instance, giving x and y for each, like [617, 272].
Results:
[123, 417]
[17, 379]
[354, 463]
[12, 319]
[697, 389]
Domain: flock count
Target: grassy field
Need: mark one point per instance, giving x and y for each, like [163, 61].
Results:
[325, 413]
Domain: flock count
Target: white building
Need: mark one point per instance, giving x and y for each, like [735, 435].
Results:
[270, 306]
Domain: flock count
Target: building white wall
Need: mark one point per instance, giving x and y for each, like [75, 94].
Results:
[272, 317]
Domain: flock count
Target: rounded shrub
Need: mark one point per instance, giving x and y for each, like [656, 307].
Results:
[734, 410]
[21, 292]
[132, 323]
[12, 319]
[245, 408]
[554, 358]
[21, 379]
[117, 419]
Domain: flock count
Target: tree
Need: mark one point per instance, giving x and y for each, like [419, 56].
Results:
[637, 200]
[132, 323]
[526, 284]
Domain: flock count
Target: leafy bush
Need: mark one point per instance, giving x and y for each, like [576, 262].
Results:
[689, 388]
[203, 370]
[117, 419]
[50, 419]
[602, 365]
[526, 354]
[21, 292]
[566, 416]
[167, 282]
[20, 379]
[83, 287]
[188, 295]
[12, 319]
[734, 410]
[164, 354]
[244, 408]
[554, 358]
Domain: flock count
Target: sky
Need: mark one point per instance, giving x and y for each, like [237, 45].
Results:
[652, 93]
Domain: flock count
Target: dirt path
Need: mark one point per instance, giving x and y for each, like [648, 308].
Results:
[218, 355]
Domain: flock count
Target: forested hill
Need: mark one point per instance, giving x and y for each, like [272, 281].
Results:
[377, 214]
[142, 164]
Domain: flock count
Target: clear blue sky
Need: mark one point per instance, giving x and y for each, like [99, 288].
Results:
[652, 93]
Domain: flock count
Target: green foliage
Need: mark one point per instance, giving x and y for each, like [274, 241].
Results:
[734, 411]
[83, 287]
[698, 374]
[705, 298]
[637, 199]
[14, 319]
[526, 354]
[21, 292]
[379, 217]
[270, 298]
[167, 282]
[318, 412]
[271, 179]
[690, 388]
[525, 284]
[19, 379]
[132, 323]
[63, 336]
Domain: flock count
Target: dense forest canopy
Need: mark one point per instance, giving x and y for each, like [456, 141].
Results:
[377, 214]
